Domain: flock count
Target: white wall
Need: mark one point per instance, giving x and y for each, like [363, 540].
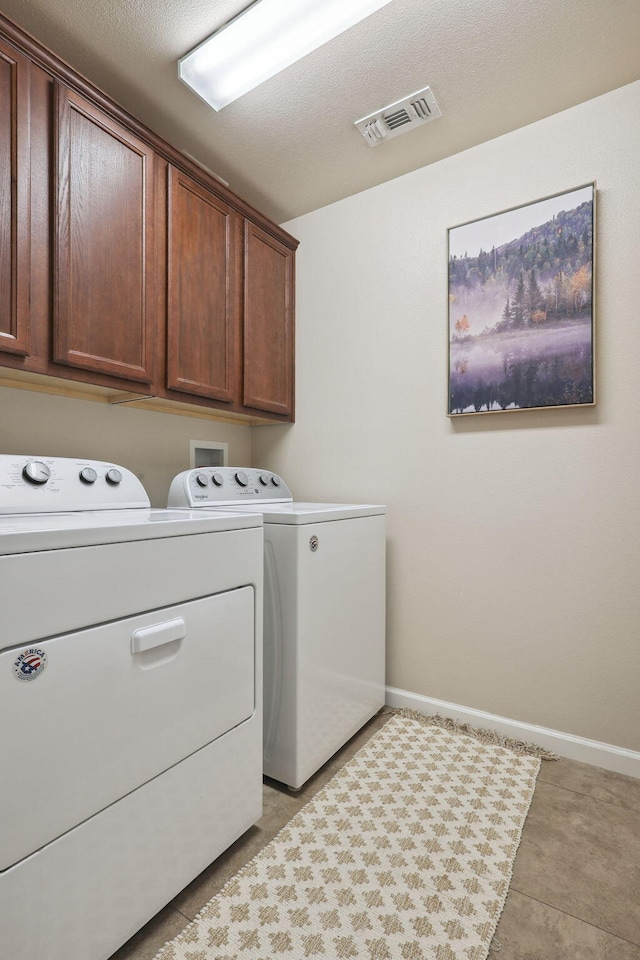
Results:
[154, 445]
[513, 573]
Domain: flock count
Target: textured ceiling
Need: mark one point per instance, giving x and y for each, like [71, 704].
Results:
[290, 146]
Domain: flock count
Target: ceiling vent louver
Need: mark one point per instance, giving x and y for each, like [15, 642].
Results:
[374, 132]
[415, 110]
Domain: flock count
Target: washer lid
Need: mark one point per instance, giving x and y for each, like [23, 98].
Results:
[27, 533]
[299, 512]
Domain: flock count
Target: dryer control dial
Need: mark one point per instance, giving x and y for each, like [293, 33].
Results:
[88, 475]
[113, 476]
[36, 472]
[242, 478]
[202, 479]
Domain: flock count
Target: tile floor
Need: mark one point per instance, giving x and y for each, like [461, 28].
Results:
[575, 893]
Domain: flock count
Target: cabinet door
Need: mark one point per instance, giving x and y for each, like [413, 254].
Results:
[104, 252]
[268, 323]
[203, 291]
[15, 211]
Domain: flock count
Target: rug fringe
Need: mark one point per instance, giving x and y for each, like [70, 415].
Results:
[478, 733]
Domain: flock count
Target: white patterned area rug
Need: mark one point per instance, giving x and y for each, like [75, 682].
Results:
[406, 854]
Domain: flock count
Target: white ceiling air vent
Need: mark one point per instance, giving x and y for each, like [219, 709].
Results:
[399, 117]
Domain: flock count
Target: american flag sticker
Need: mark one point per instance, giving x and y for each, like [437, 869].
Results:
[30, 664]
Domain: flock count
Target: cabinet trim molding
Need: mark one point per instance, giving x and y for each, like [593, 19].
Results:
[16, 202]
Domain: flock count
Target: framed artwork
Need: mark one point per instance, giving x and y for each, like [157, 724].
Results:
[521, 307]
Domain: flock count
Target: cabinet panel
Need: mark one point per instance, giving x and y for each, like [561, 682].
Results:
[15, 212]
[268, 381]
[104, 254]
[203, 308]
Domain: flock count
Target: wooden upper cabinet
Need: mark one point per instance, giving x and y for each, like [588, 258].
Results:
[105, 295]
[15, 213]
[107, 231]
[203, 291]
[268, 374]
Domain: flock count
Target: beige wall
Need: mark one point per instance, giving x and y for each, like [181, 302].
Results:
[154, 445]
[514, 581]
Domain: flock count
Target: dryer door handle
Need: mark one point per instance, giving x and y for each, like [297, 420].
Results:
[160, 633]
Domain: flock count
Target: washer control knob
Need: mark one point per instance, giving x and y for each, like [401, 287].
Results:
[202, 479]
[114, 476]
[218, 479]
[88, 475]
[264, 479]
[36, 472]
[242, 478]
[275, 481]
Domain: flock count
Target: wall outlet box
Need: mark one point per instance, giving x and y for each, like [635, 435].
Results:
[208, 453]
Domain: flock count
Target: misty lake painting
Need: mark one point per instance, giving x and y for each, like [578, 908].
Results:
[521, 325]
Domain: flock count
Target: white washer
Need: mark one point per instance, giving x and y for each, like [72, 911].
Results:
[324, 623]
[130, 701]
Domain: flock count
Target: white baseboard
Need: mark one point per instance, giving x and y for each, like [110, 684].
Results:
[567, 745]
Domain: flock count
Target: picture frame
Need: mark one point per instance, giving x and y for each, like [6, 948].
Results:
[521, 330]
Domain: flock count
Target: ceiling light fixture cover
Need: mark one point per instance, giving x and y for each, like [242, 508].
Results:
[267, 37]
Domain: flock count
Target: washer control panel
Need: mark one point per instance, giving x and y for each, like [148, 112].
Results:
[226, 486]
[66, 485]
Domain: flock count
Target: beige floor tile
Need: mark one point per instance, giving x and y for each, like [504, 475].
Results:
[145, 944]
[593, 782]
[279, 801]
[582, 856]
[529, 930]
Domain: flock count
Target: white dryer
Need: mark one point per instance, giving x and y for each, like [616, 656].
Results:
[130, 701]
[324, 615]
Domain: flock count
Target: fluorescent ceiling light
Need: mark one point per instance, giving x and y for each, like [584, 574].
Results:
[269, 36]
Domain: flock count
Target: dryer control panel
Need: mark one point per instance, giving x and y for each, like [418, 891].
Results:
[226, 486]
[64, 484]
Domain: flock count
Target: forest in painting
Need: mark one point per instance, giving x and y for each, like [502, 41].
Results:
[520, 318]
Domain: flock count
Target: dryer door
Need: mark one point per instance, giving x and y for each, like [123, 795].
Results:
[90, 716]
